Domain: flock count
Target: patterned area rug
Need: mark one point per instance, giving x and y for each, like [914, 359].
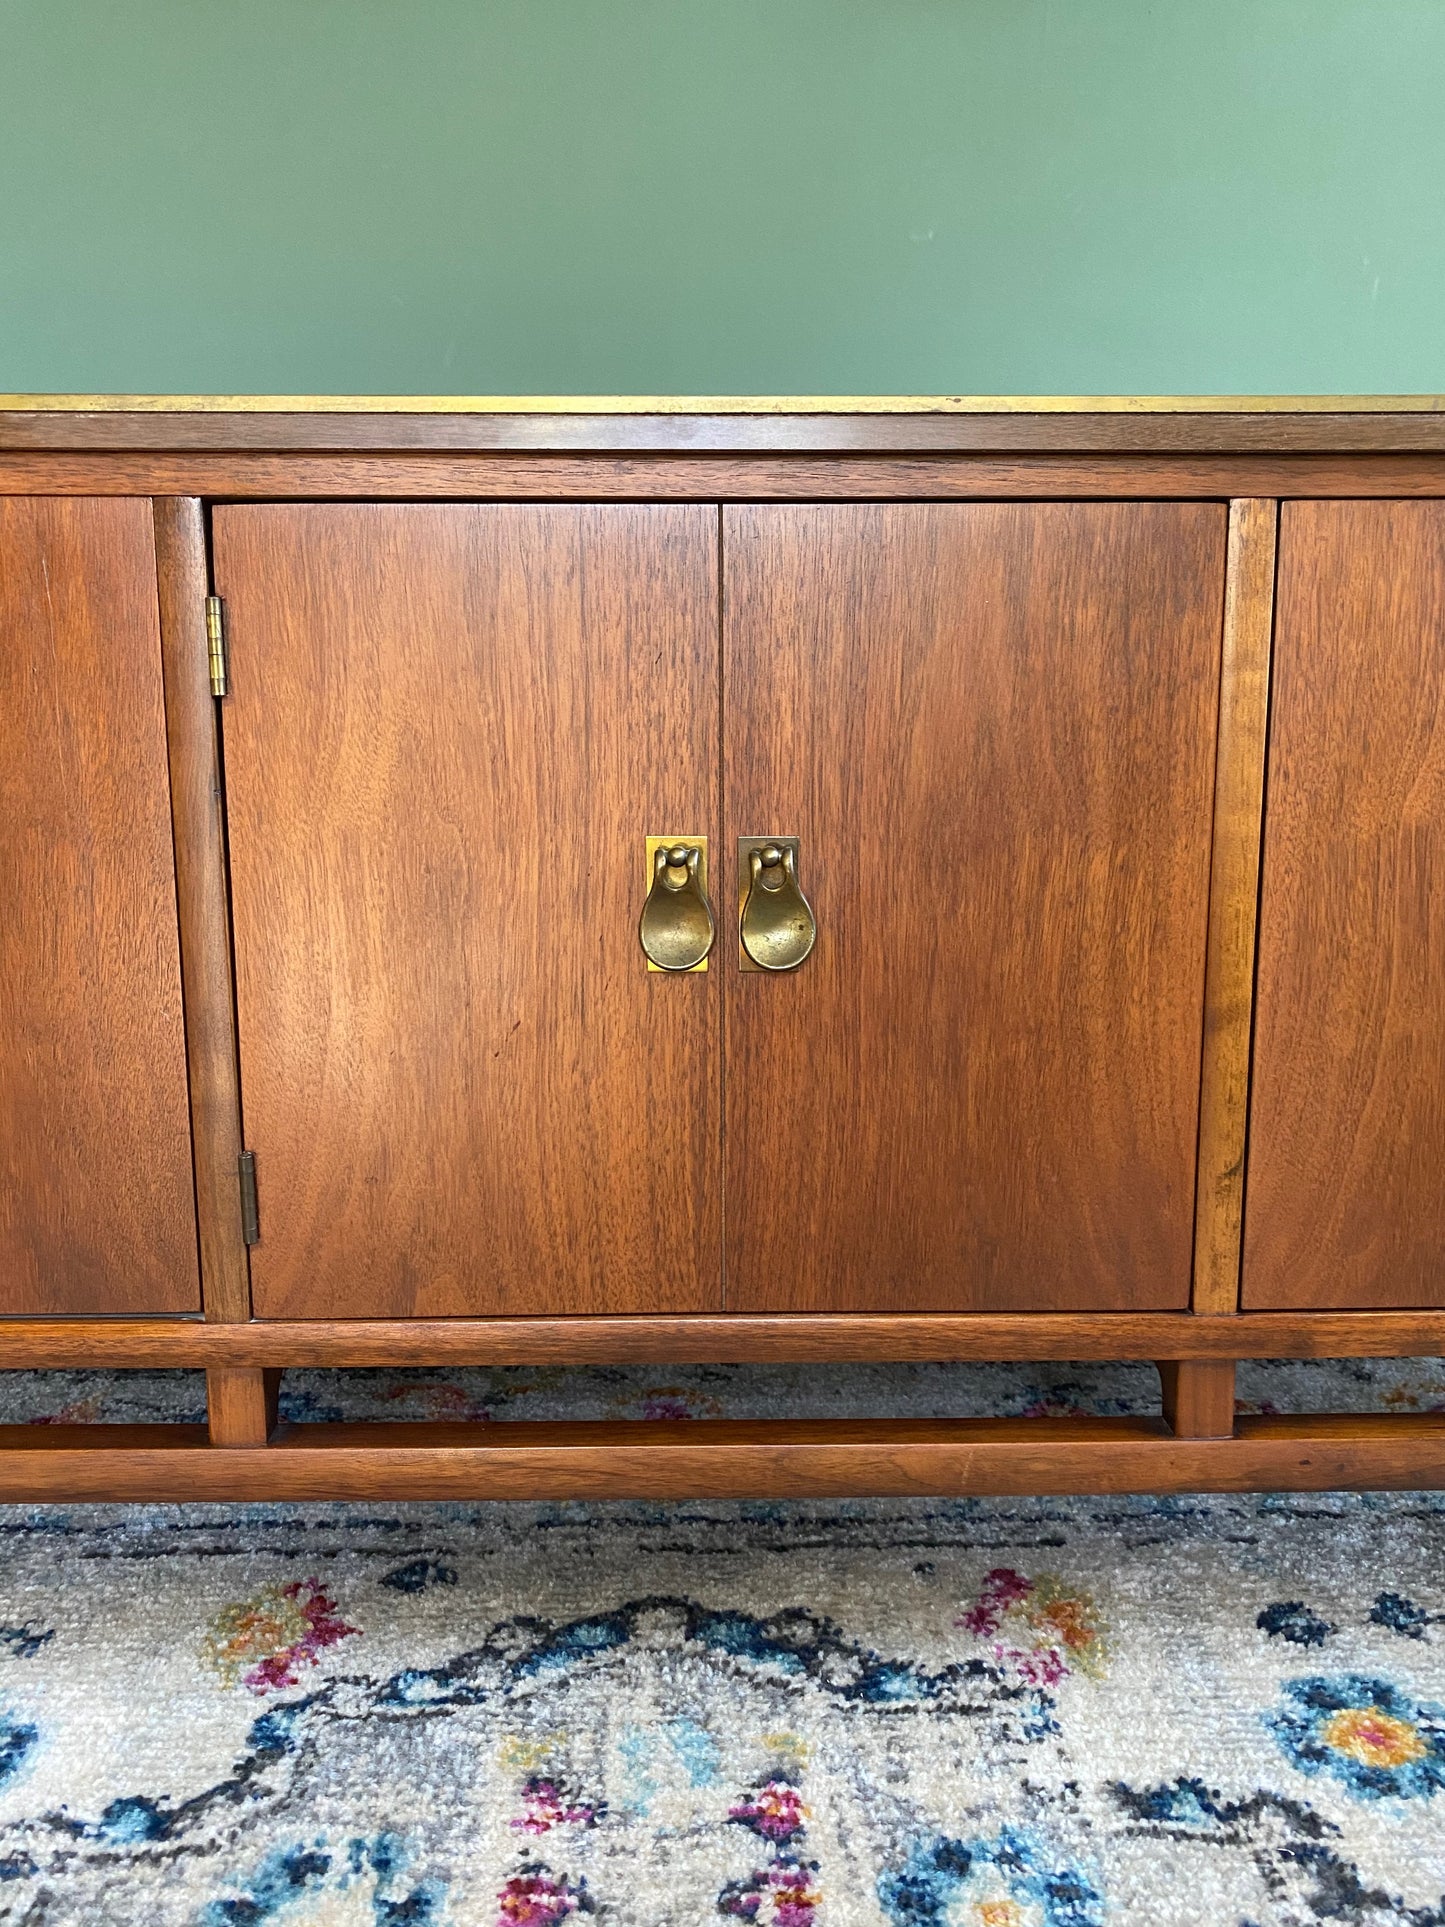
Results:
[1223, 1712]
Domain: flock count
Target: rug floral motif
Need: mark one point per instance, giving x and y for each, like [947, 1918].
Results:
[1184, 1712]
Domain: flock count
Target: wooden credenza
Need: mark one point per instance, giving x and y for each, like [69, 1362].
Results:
[1038, 815]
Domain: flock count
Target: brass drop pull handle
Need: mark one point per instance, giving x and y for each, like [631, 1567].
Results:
[776, 926]
[677, 927]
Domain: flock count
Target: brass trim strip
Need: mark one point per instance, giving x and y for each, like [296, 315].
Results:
[727, 404]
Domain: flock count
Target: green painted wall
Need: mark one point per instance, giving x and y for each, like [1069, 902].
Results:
[711, 196]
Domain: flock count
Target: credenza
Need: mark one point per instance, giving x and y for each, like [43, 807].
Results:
[590, 881]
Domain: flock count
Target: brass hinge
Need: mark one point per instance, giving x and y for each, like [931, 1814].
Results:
[216, 644]
[250, 1221]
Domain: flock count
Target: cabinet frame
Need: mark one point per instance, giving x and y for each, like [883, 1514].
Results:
[187, 453]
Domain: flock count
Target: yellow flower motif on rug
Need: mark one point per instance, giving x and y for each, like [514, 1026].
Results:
[1373, 1737]
[267, 1641]
[1041, 1627]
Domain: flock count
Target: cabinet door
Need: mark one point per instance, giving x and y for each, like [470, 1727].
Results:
[97, 1209]
[451, 730]
[1345, 1202]
[992, 728]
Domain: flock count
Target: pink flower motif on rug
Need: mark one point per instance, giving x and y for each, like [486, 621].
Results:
[439, 1401]
[782, 1893]
[1050, 1406]
[666, 1402]
[81, 1411]
[545, 1804]
[268, 1641]
[1038, 1627]
[775, 1811]
[536, 1897]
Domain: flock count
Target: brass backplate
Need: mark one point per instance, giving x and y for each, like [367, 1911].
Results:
[656, 843]
[746, 846]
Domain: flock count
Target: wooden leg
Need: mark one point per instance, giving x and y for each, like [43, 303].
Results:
[241, 1404]
[1198, 1397]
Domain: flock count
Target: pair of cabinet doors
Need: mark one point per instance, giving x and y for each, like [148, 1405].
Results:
[451, 730]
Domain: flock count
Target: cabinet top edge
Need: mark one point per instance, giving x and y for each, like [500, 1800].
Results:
[691, 425]
[723, 404]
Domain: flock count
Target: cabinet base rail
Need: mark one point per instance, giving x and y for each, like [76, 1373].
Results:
[1196, 1444]
[719, 1459]
[732, 1338]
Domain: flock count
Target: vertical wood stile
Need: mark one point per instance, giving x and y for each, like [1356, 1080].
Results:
[241, 1403]
[1198, 1397]
[1233, 902]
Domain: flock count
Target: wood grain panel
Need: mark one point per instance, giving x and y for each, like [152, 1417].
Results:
[992, 728]
[450, 731]
[1346, 1198]
[96, 1207]
[1233, 904]
[721, 1459]
[733, 1338]
[712, 478]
